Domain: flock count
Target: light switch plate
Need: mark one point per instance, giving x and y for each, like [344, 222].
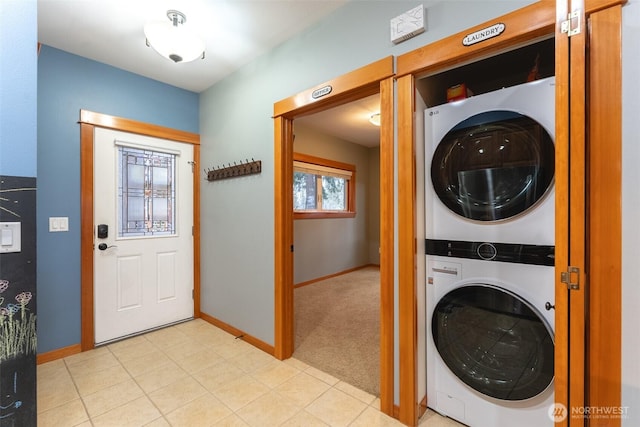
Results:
[11, 237]
[58, 223]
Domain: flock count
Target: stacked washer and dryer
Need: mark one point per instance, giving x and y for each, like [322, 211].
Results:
[490, 256]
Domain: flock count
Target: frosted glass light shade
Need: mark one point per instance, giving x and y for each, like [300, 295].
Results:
[173, 41]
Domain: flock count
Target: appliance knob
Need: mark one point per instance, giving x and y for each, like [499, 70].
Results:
[487, 251]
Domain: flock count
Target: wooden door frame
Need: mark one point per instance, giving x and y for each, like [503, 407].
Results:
[604, 198]
[368, 80]
[89, 121]
[521, 26]
[588, 199]
[595, 379]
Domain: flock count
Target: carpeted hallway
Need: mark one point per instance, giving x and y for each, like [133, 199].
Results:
[337, 327]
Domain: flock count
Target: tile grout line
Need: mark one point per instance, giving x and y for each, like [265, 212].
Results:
[136, 382]
[75, 385]
[228, 358]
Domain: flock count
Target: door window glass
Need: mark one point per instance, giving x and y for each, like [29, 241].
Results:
[493, 165]
[495, 342]
[146, 192]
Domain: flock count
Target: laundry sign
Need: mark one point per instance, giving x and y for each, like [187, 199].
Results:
[484, 34]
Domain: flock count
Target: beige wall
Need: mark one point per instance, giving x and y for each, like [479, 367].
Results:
[328, 246]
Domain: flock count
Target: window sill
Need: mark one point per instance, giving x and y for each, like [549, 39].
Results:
[323, 215]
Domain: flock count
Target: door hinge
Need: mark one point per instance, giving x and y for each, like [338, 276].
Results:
[566, 277]
[193, 293]
[572, 25]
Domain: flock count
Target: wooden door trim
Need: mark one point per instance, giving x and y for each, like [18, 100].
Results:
[561, 355]
[604, 226]
[354, 85]
[283, 237]
[538, 20]
[521, 26]
[527, 24]
[88, 122]
[407, 286]
[370, 79]
[133, 126]
[387, 237]
[577, 242]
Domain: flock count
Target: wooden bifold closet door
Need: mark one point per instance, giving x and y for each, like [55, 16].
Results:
[588, 187]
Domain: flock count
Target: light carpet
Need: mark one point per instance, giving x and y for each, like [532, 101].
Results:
[337, 327]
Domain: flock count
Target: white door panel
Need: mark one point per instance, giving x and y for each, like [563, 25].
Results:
[144, 278]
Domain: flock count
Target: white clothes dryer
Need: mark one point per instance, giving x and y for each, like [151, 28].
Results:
[490, 335]
[490, 163]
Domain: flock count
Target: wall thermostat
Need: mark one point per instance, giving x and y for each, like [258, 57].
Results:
[409, 24]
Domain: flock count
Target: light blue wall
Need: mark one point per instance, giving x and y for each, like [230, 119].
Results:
[66, 84]
[235, 117]
[18, 47]
[630, 209]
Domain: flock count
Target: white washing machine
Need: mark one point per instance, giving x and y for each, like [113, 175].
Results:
[490, 163]
[490, 337]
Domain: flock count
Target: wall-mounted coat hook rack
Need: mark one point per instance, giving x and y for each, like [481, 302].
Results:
[232, 171]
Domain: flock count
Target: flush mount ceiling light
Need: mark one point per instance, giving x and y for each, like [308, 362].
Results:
[173, 40]
[375, 119]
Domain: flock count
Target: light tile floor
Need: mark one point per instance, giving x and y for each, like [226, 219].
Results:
[194, 374]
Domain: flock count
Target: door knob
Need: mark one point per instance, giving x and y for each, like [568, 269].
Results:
[103, 246]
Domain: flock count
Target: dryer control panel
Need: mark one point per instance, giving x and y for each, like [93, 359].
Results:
[491, 251]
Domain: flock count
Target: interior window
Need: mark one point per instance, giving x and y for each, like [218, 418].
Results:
[322, 188]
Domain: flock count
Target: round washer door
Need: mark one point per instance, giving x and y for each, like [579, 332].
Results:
[494, 341]
[493, 165]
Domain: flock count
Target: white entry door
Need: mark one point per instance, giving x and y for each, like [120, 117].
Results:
[143, 242]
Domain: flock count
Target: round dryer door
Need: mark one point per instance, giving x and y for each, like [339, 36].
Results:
[494, 341]
[493, 165]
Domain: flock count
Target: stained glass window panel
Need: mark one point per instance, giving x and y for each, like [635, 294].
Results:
[146, 192]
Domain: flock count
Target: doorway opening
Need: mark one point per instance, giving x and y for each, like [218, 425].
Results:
[336, 241]
[370, 80]
[89, 122]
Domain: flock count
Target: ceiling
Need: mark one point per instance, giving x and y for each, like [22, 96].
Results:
[235, 32]
[349, 121]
